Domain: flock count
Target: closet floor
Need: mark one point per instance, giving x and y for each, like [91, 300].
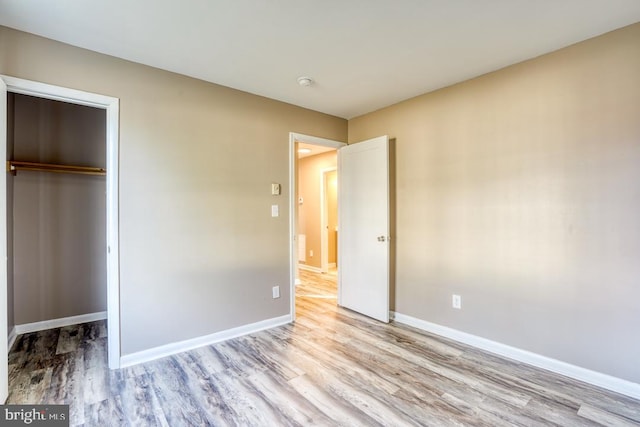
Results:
[63, 365]
[331, 367]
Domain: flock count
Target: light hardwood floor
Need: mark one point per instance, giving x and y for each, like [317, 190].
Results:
[332, 367]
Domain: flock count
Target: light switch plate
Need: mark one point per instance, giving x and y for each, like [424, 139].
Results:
[275, 189]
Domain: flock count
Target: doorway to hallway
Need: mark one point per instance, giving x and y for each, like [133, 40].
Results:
[364, 226]
[317, 225]
[314, 223]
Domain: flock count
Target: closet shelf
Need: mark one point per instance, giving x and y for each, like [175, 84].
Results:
[14, 166]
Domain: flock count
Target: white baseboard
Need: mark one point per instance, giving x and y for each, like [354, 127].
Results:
[332, 265]
[179, 347]
[59, 323]
[11, 338]
[310, 268]
[608, 382]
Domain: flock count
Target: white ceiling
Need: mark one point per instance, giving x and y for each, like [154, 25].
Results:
[313, 149]
[362, 54]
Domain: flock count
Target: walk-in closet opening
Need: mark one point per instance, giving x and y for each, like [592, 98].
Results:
[56, 230]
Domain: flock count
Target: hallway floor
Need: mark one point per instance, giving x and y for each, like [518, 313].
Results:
[316, 285]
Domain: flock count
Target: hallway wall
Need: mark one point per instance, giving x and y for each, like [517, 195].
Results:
[309, 188]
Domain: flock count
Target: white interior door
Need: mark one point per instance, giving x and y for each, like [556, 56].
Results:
[4, 354]
[363, 221]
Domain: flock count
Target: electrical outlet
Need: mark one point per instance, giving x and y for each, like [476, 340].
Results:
[311, 253]
[276, 292]
[456, 301]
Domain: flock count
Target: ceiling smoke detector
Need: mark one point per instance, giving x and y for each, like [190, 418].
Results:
[305, 81]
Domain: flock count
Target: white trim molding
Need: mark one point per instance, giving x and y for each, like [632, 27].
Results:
[599, 379]
[58, 323]
[12, 338]
[310, 268]
[190, 344]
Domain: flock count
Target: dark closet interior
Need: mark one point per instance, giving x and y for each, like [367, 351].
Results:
[56, 218]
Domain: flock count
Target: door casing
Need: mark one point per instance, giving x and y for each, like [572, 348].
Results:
[111, 106]
[293, 212]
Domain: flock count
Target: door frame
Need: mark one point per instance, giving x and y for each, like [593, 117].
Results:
[293, 211]
[324, 219]
[111, 106]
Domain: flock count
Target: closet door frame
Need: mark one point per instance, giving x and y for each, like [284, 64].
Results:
[112, 107]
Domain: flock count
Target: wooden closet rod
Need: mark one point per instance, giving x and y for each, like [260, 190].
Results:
[15, 166]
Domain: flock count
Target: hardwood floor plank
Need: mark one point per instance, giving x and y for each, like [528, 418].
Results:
[67, 385]
[95, 385]
[208, 359]
[96, 371]
[95, 353]
[502, 413]
[343, 379]
[207, 391]
[243, 405]
[136, 401]
[329, 356]
[265, 361]
[69, 339]
[605, 418]
[333, 407]
[289, 402]
[381, 368]
[317, 368]
[107, 412]
[557, 414]
[168, 383]
[94, 330]
[448, 368]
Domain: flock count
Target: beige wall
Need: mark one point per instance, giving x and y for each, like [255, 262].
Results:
[309, 188]
[199, 248]
[520, 191]
[59, 228]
